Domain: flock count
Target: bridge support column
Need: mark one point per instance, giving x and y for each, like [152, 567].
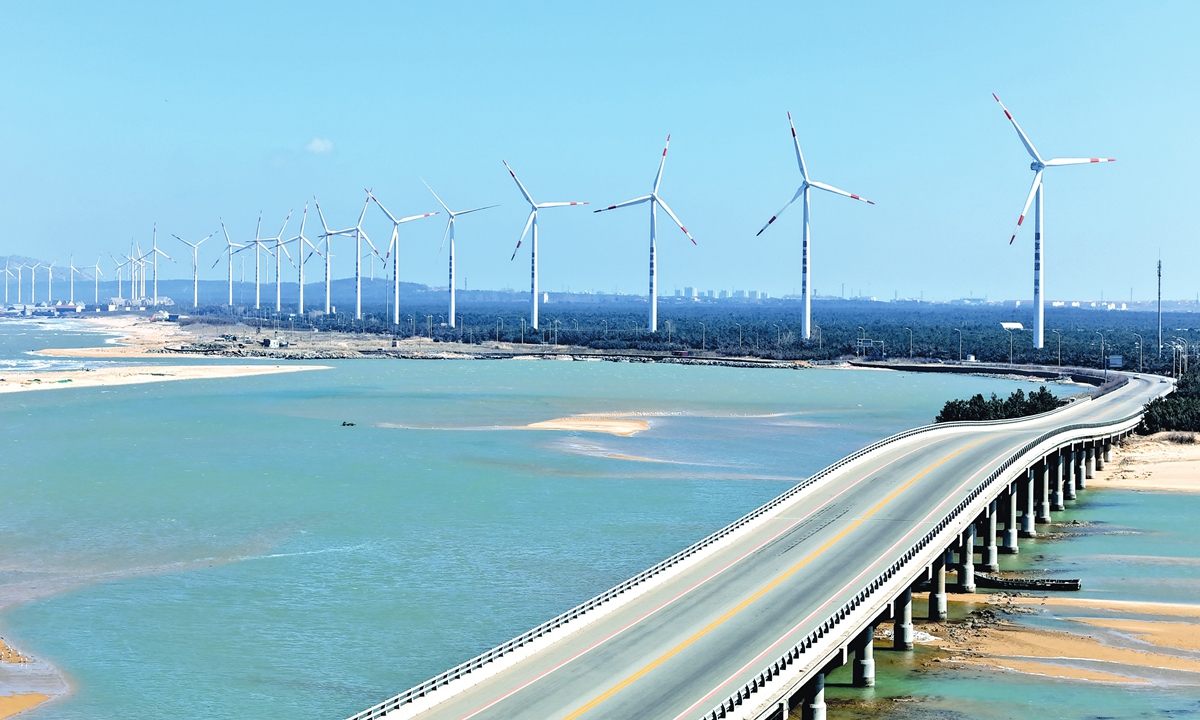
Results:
[902, 635]
[1080, 473]
[937, 589]
[1056, 493]
[864, 659]
[814, 709]
[1089, 466]
[1068, 474]
[1108, 451]
[966, 561]
[1042, 483]
[1008, 504]
[991, 559]
[1027, 497]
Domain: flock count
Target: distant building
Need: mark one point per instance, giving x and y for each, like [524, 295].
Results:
[689, 292]
[753, 294]
[678, 293]
[724, 294]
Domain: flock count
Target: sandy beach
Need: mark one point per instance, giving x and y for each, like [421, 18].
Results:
[623, 427]
[112, 376]
[1167, 461]
[137, 337]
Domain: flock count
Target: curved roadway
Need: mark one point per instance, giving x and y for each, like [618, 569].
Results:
[682, 645]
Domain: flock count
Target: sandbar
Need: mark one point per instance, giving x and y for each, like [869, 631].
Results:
[112, 376]
[1179, 635]
[624, 427]
[12, 704]
[1137, 607]
[1154, 462]
[139, 338]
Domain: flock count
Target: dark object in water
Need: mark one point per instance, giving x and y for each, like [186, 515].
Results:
[347, 424]
[984, 580]
[992, 582]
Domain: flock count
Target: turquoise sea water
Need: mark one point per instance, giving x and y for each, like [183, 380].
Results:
[227, 548]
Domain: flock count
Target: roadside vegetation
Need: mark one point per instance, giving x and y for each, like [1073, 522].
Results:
[1016, 405]
[1178, 411]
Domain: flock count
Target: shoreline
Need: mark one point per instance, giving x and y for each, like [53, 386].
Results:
[135, 375]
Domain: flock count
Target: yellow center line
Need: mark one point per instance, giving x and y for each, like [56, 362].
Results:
[762, 591]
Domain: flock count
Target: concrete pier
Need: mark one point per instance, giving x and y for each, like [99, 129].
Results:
[1026, 496]
[1042, 484]
[864, 659]
[902, 635]
[1008, 504]
[1055, 463]
[1107, 451]
[1099, 456]
[937, 590]
[814, 709]
[991, 559]
[1089, 463]
[1068, 474]
[1080, 476]
[966, 561]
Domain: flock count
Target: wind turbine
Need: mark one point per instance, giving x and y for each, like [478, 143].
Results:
[96, 267]
[118, 269]
[279, 245]
[301, 241]
[195, 266]
[229, 251]
[33, 283]
[1038, 166]
[394, 251]
[50, 283]
[806, 266]
[359, 235]
[7, 274]
[655, 202]
[73, 271]
[532, 221]
[155, 252]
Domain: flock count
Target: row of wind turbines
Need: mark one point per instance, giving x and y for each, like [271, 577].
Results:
[276, 247]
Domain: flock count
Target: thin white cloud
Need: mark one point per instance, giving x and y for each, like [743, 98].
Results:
[320, 146]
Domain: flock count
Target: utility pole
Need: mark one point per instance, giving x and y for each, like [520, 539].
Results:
[1160, 308]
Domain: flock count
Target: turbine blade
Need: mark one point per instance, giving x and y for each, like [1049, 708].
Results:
[319, 214]
[464, 212]
[381, 207]
[627, 203]
[410, 218]
[785, 207]
[532, 215]
[445, 235]
[837, 191]
[1037, 182]
[1020, 133]
[558, 204]
[661, 163]
[1077, 161]
[681, 227]
[799, 155]
[436, 196]
[528, 197]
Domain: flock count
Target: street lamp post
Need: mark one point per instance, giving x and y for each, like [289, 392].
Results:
[959, 331]
[1103, 364]
[1010, 346]
[910, 343]
[776, 334]
[1059, 335]
[819, 338]
[739, 335]
[702, 345]
[1139, 337]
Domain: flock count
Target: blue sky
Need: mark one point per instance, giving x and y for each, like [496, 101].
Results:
[116, 116]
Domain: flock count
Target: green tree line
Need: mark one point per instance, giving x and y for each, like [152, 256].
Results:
[995, 408]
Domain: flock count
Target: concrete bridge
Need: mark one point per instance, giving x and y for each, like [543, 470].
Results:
[747, 622]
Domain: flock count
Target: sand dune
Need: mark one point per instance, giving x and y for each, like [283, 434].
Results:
[111, 376]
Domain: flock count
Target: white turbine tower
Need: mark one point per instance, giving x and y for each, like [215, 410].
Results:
[301, 257]
[448, 235]
[275, 250]
[229, 251]
[50, 283]
[155, 252]
[655, 203]
[805, 261]
[195, 266]
[533, 252]
[1038, 166]
[7, 274]
[33, 283]
[73, 271]
[328, 255]
[359, 235]
[119, 270]
[394, 252]
[97, 275]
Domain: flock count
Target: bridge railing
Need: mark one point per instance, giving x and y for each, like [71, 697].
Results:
[791, 656]
[479, 661]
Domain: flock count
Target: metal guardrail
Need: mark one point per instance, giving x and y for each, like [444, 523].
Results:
[418, 691]
[791, 656]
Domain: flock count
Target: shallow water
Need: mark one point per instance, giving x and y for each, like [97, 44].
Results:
[227, 548]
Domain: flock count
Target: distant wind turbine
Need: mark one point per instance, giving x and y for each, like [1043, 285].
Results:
[33, 283]
[533, 251]
[1038, 166]
[359, 235]
[448, 235]
[50, 283]
[96, 276]
[394, 252]
[302, 256]
[655, 202]
[7, 274]
[195, 265]
[275, 250]
[805, 263]
[229, 251]
[154, 253]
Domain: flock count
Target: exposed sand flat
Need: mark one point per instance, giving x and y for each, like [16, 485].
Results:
[1180, 635]
[8, 655]
[1047, 669]
[106, 377]
[625, 427]
[139, 337]
[12, 704]
[1153, 463]
[1136, 607]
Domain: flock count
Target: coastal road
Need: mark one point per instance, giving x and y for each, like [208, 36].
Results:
[680, 644]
